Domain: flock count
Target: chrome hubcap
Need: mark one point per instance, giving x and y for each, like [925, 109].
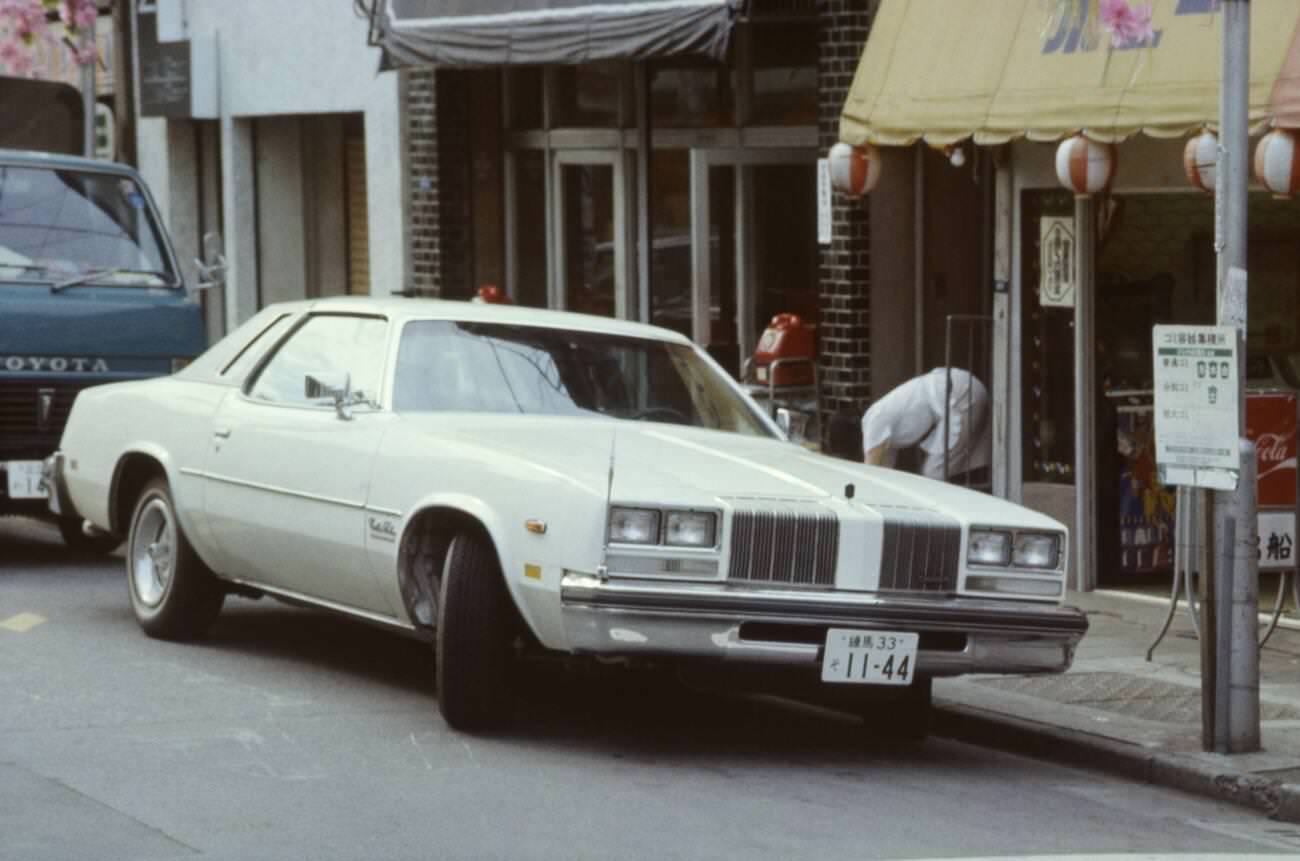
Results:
[153, 552]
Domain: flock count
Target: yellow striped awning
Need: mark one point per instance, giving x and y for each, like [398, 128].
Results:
[994, 70]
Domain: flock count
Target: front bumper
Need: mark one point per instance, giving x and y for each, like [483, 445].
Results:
[787, 627]
[57, 500]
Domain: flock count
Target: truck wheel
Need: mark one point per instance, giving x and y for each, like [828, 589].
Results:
[173, 594]
[100, 544]
[473, 640]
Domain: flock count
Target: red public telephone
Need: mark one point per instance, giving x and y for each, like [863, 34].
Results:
[786, 339]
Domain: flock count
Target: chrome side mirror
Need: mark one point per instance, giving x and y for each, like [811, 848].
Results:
[212, 268]
[332, 386]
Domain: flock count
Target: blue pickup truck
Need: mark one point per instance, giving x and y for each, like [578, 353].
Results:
[90, 293]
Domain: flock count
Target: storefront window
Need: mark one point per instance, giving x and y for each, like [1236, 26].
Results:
[587, 96]
[485, 168]
[784, 74]
[785, 241]
[525, 84]
[530, 229]
[670, 259]
[692, 95]
[1156, 264]
[589, 258]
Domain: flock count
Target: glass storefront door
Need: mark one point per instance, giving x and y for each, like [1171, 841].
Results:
[591, 258]
[753, 245]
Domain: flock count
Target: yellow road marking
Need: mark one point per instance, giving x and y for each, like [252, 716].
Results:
[23, 622]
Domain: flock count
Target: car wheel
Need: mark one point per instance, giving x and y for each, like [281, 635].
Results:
[473, 639]
[173, 594]
[99, 544]
[903, 720]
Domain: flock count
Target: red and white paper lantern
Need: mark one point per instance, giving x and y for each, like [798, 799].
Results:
[855, 170]
[1275, 162]
[1085, 166]
[1201, 160]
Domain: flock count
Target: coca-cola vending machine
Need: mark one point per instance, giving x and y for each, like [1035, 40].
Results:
[1271, 423]
[1146, 507]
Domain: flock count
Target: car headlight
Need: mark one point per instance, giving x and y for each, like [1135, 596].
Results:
[690, 528]
[633, 526]
[1036, 550]
[988, 547]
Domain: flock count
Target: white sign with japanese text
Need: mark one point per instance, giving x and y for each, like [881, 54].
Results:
[1196, 405]
[1056, 263]
[823, 201]
[1276, 540]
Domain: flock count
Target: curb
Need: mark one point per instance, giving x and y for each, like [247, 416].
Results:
[1274, 798]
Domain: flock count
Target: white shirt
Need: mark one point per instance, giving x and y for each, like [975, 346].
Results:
[912, 414]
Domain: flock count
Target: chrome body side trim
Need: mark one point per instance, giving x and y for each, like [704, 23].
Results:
[705, 620]
[293, 597]
[271, 488]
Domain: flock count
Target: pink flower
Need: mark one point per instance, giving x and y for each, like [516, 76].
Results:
[15, 59]
[1128, 25]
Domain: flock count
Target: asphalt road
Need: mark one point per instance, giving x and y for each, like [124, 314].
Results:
[293, 734]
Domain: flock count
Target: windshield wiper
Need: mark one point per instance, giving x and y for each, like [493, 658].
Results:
[87, 277]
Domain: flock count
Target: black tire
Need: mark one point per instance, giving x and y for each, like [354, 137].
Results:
[173, 594]
[904, 720]
[100, 544]
[474, 637]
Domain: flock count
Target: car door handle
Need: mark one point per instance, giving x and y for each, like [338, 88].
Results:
[221, 433]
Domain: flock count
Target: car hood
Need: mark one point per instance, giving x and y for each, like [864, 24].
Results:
[659, 463]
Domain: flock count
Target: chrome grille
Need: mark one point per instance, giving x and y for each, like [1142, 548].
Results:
[783, 542]
[921, 552]
[22, 435]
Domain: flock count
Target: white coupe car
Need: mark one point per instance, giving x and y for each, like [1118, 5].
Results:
[501, 481]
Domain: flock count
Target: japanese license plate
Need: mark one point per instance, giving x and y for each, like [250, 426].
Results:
[869, 657]
[24, 479]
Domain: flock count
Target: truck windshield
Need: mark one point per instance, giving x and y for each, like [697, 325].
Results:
[69, 227]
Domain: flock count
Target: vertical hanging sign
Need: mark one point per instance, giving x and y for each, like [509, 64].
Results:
[1056, 248]
[823, 201]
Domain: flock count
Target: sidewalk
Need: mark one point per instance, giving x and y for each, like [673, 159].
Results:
[1116, 712]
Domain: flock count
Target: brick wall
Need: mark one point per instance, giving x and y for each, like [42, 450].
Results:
[422, 174]
[437, 164]
[844, 265]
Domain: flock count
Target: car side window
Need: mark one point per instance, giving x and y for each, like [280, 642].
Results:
[244, 359]
[325, 345]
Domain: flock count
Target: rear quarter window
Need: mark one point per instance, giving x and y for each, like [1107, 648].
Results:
[229, 360]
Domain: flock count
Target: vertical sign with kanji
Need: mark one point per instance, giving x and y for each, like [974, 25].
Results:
[1197, 417]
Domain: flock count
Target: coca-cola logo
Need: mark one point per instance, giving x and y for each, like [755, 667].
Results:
[1272, 448]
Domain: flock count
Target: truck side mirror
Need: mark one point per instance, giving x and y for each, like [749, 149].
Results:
[212, 268]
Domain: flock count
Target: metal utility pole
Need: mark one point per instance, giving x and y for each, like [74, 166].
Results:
[1234, 599]
[1085, 399]
[88, 101]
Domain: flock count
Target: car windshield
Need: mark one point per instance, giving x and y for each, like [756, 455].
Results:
[70, 227]
[445, 366]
